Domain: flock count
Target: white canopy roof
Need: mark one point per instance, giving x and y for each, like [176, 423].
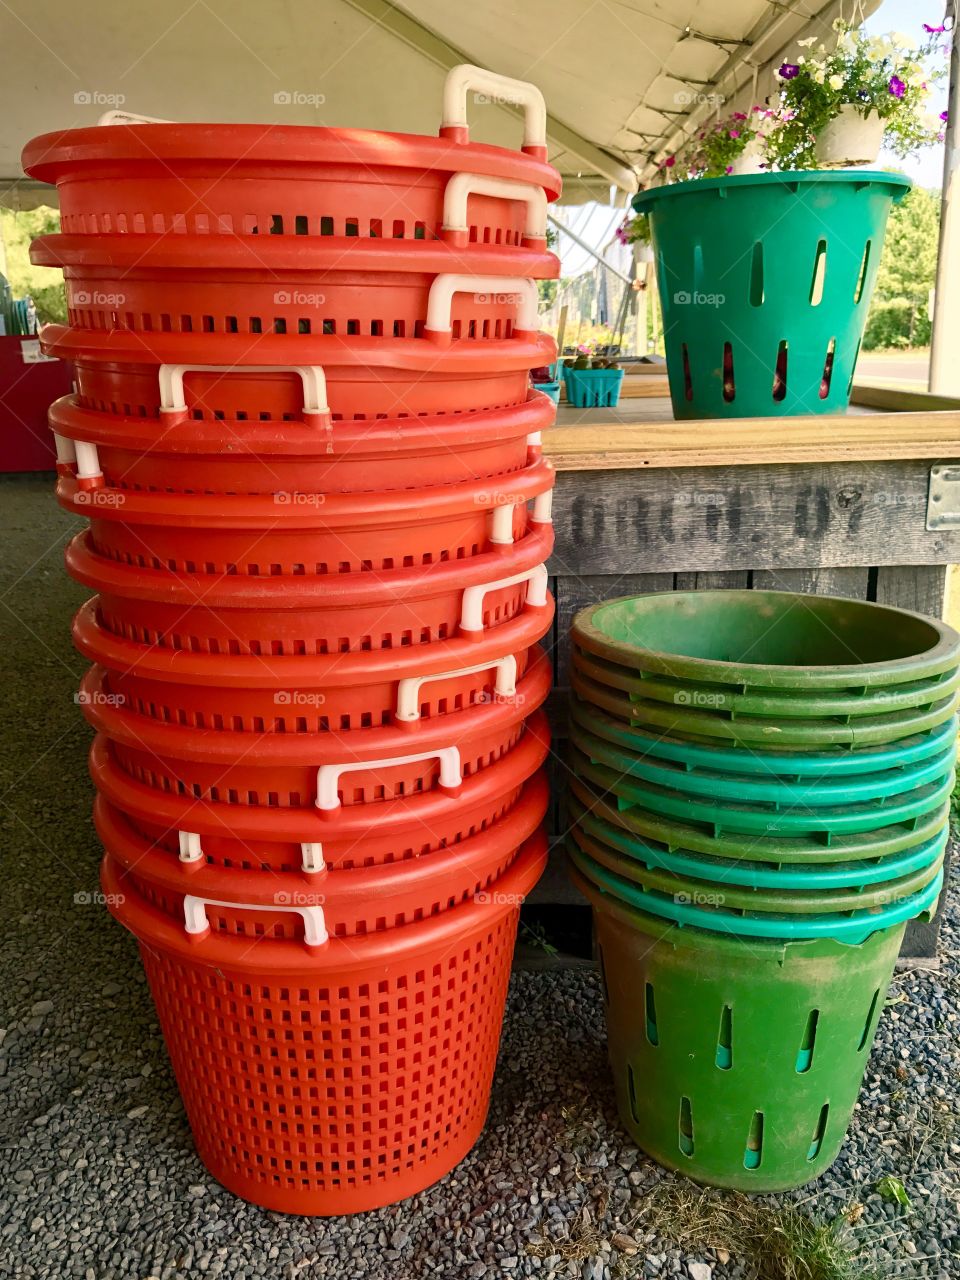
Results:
[623, 79]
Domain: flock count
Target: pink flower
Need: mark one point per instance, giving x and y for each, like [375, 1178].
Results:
[670, 162]
[741, 115]
[729, 168]
[734, 133]
[934, 31]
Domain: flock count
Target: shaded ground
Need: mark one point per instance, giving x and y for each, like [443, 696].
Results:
[98, 1179]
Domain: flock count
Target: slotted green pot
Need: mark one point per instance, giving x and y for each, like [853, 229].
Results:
[738, 1065]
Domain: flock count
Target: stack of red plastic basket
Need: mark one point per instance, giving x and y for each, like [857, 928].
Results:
[318, 527]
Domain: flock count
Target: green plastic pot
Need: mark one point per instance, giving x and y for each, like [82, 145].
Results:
[757, 875]
[842, 762]
[738, 1065]
[794, 704]
[786, 819]
[765, 282]
[707, 901]
[605, 746]
[768, 640]
[695, 725]
[593, 784]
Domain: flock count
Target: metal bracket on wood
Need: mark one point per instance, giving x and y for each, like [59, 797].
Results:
[943, 497]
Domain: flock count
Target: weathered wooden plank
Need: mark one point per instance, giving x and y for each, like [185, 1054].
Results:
[715, 519]
[922, 587]
[854, 583]
[575, 593]
[735, 580]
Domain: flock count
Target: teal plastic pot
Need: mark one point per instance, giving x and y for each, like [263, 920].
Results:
[692, 724]
[593, 785]
[725, 786]
[758, 875]
[768, 640]
[765, 282]
[738, 1065]
[841, 762]
[792, 704]
[707, 910]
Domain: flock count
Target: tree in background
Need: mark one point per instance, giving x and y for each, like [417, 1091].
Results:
[43, 284]
[900, 314]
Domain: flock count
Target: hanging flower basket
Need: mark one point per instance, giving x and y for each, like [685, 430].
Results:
[850, 139]
[765, 282]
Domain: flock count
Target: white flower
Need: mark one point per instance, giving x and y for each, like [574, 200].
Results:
[904, 42]
[836, 82]
[820, 76]
[801, 60]
[805, 44]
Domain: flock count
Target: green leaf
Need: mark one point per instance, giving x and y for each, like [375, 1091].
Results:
[893, 1191]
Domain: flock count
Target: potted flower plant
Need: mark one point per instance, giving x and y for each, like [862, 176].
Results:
[736, 144]
[841, 105]
[592, 379]
[635, 231]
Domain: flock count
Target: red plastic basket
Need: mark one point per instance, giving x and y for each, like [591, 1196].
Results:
[363, 766]
[261, 377]
[339, 1077]
[275, 614]
[240, 456]
[262, 903]
[307, 534]
[296, 695]
[236, 835]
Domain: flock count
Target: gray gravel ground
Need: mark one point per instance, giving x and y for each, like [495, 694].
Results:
[98, 1175]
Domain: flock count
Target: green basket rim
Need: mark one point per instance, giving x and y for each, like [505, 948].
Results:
[744, 700]
[764, 875]
[843, 761]
[750, 848]
[854, 927]
[942, 655]
[697, 781]
[644, 200]
[783, 902]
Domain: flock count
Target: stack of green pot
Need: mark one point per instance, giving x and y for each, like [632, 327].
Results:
[759, 802]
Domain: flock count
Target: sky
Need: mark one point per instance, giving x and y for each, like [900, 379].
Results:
[595, 223]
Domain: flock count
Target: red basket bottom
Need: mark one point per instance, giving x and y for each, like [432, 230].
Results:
[344, 1093]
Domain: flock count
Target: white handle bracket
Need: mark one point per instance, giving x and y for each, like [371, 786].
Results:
[521, 292]
[311, 375]
[328, 775]
[463, 185]
[408, 691]
[500, 90]
[471, 608]
[195, 916]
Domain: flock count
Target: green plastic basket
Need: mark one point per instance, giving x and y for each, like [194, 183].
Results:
[768, 640]
[592, 388]
[737, 1064]
[758, 875]
[765, 282]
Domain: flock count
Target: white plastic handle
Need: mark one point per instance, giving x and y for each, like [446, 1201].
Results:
[443, 289]
[408, 690]
[66, 452]
[328, 775]
[312, 852]
[311, 375]
[191, 851]
[463, 185]
[471, 608]
[195, 916]
[460, 80]
[80, 454]
[128, 117]
[501, 517]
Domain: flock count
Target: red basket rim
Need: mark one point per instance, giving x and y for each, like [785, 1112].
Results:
[62, 155]
[130, 255]
[223, 746]
[242, 822]
[307, 671]
[155, 928]
[300, 439]
[341, 887]
[316, 592]
[524, 350]
[355, 511]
